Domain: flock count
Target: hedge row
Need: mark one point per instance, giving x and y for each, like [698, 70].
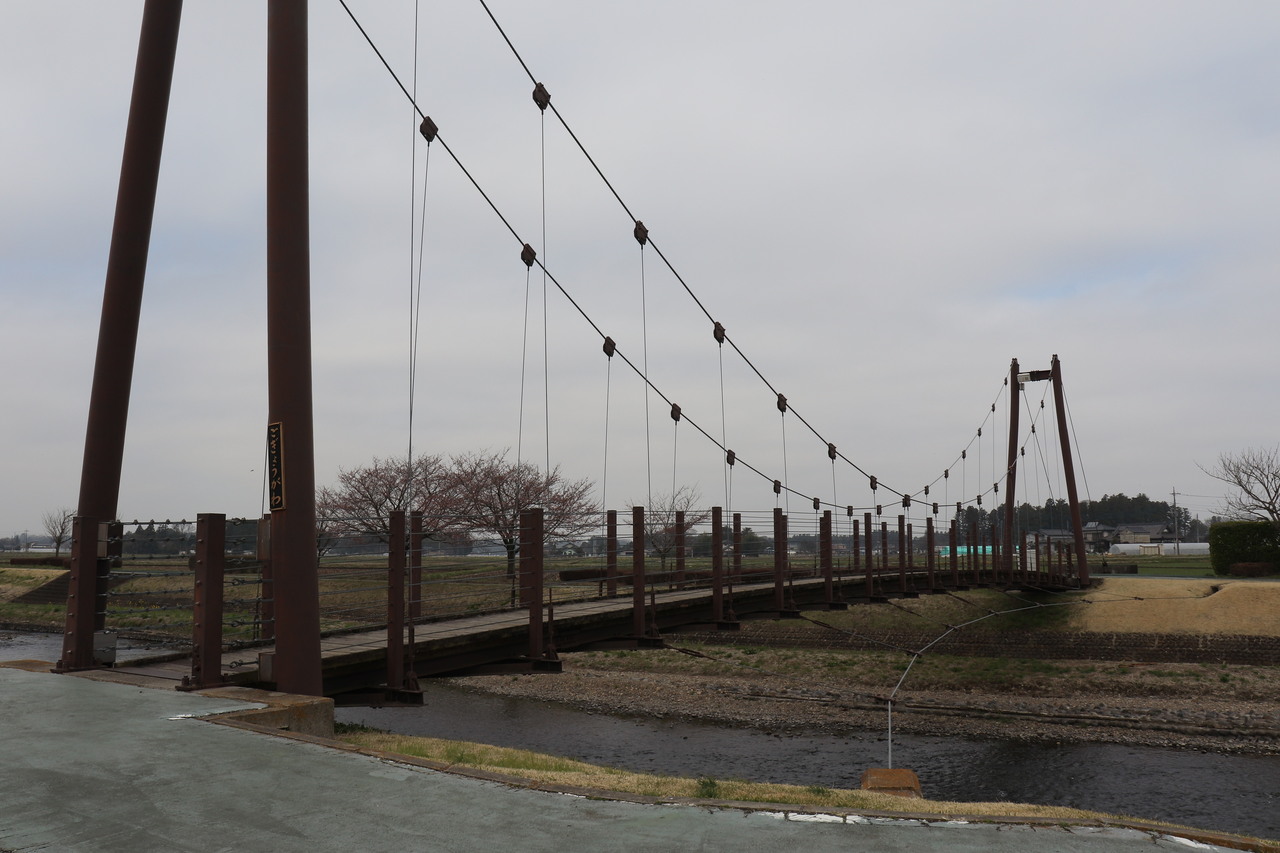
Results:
[1235, 542]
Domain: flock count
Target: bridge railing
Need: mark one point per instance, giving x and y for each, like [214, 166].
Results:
[163, 584]
[207, 586]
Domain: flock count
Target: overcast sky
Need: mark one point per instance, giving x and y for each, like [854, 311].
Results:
[883, 203]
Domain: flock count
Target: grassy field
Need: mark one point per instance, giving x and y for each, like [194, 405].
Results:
[1186, 565]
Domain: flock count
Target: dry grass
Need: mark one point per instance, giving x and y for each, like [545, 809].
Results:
[16, 582]
[1116, 604]
[868, 673]
[557, 772]
[1181, 607]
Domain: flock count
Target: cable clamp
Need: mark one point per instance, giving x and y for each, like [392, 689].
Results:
[541, 97]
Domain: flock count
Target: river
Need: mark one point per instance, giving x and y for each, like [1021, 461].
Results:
[18, 645]
[1230, 793]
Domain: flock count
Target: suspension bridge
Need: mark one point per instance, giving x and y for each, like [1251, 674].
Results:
[343, 626]
[392, 618]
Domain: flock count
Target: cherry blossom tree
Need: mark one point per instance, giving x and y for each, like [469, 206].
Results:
[491, 491]
[362, 500]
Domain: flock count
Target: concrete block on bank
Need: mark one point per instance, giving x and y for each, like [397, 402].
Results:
[892, 780]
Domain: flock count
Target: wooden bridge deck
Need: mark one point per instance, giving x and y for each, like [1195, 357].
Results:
[356, 661]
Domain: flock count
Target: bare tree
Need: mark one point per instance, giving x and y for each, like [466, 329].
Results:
[57, 523]
[1255, 476]
[362, 501]
[492, 491]
[661, 529]
[329, 518]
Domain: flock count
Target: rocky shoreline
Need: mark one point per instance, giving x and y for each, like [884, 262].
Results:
[776, 704]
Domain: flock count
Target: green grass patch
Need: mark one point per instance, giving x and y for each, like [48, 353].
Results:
[1173, 565]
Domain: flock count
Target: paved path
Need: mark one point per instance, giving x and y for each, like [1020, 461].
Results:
[93, 766]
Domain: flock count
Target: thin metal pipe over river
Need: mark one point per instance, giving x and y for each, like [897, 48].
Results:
[1228, 793]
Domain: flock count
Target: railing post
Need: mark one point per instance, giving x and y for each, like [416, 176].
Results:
[206, 628]
[717, 565]
[779, 559]
[395, 600]
[982, 555]
[953, 539]
[416, 537]
[736, 574]
[870, 547]
[679, 544]
[637, 572]
[903, 549]
[930, 558]
[1022, 557]
[77, 639]
[825, 551]
[531, 577]
[991, 556]
[267, 587]
[855, 564]
[973, 554]
[884, 548]
[611, 552]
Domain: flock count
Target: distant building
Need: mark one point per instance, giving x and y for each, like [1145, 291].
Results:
[1142, 534]
[1098, 536]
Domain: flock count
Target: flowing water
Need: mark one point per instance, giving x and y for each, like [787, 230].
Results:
[1230, 793]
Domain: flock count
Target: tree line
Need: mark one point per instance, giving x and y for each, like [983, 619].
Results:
[1110, 510]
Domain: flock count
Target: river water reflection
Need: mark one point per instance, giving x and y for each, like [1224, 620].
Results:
[1229, 793]
[21, 645]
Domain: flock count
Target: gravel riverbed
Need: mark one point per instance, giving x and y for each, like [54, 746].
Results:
[1202, 718]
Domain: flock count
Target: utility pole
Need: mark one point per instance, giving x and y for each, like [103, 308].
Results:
[1177, 544]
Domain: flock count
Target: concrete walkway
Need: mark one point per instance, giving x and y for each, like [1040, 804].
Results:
[87, 765]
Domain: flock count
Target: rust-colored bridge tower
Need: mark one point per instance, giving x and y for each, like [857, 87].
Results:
[289, 341]
[1054, 375]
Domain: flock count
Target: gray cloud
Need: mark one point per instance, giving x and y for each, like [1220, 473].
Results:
[883, 204]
